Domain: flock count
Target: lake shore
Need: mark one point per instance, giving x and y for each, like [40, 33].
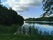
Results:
[41, 22]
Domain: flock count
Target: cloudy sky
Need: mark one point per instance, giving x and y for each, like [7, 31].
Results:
[25, 8]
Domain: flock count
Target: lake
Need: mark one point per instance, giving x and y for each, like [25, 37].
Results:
[32, 27]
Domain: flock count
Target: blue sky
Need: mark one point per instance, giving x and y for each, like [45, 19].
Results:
[37, 12]
[34, 10]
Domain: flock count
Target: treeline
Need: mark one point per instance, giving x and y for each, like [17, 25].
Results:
[9, 16]
[40, 19]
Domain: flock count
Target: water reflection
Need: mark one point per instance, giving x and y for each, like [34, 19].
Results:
[33, 28]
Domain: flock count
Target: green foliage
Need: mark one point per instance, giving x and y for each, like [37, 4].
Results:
[47, 6]
[9, 16]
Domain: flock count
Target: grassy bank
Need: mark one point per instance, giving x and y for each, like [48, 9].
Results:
[24, 37]
[8, 29]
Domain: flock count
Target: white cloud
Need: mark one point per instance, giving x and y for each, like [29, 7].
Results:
[25, 17]
[22, 5]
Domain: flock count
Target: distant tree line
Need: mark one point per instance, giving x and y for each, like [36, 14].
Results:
[9, 16]
[40, 19]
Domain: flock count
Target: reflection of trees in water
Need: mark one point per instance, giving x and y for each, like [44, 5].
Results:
[51, 32]
[31, 30]
[46, 33]
[24, 30]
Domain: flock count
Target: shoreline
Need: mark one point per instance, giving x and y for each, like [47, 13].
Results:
[41, 22]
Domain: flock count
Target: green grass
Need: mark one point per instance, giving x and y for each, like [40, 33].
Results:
[24, 37]
[8, 29]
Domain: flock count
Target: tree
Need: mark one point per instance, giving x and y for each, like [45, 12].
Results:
[9, 16]
[48, 7]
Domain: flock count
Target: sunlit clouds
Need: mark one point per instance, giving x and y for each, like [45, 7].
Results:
[22, 5]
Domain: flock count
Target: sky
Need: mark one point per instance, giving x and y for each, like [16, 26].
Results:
[25, 8]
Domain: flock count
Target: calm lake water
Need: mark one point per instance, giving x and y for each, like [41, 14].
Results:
[44, 29]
